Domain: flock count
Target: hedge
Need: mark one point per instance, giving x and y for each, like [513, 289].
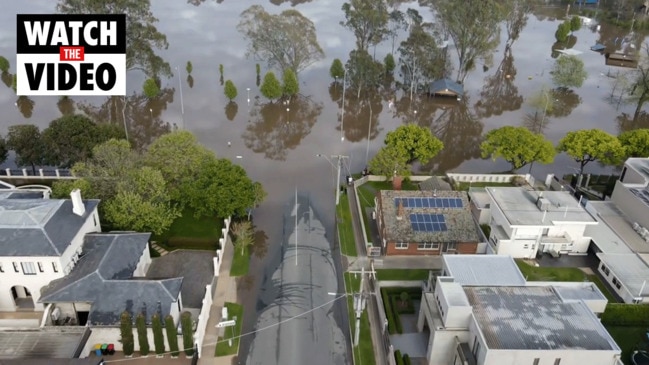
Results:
[406, 359]
[398, 357]
[158, 337]
[172, 335]
[619, 314]
[393, 326]
[390, 297]
[126, 333]
[142, 335]
[188, 335]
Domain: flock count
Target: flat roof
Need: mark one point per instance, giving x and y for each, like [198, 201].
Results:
[640, 164]
[40, 343]
[454, 293]
[602, 235]
[621, 225]
[479, 197]
[483, 270]
[520, 209]
[535, 318]
[630, 269]
[579, 291]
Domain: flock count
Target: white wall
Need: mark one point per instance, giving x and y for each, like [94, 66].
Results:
[67, 260]
[203, 317]
[628, 203]
[498, 218]
[631, 176]
[548, 357]
[623, 292]
[442, 345]
[33, 283]
[144, 263]
[517, 249]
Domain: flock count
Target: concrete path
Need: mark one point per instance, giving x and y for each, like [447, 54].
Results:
[413, 344]
[158, 249]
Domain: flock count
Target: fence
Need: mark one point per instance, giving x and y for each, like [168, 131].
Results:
[494, 178]
[40, 173]
[222, 242]
[358, 183]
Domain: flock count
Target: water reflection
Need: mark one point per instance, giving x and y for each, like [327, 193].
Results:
[26, 106]
[231, 110]
[559, 46]
[276, 128]
[260, 247]
[66, 105]
[564, 102]
[626, 122]
[7, 78]
[361, 113]
[190, 81]
[499, 93]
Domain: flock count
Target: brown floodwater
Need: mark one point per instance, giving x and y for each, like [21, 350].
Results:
[277, 143]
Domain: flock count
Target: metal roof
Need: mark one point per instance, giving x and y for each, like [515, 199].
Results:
[578, 291]
[482, 270]
[631, 270]
[535, 318]
[443, 85]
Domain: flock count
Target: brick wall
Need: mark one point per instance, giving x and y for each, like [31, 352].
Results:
[412, 250]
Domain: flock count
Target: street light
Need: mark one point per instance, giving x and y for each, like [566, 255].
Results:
[248, 90]
[338, 165]
[342, 115]
[151, 113]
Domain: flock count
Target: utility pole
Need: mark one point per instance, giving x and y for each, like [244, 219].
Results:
[342, 115]
[338, 165]
[360, 300]
[182, 103]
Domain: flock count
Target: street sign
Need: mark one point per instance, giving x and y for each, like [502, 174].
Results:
[226, 324]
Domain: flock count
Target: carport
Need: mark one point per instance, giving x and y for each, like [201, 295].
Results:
[40, 343]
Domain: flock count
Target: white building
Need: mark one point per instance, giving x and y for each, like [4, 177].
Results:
[482, 311]
[524, 223]
[40, 241]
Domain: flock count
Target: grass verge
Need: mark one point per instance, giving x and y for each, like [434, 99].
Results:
[223, 347]
[187, 232]
[364, 352]
[629, 338]
[345, 228]
[402, 274]
[240, 262]
[464, 186]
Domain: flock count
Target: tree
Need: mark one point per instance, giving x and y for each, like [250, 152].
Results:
[635, 142]
[243, 235]
[189, 68]
[518, 146]
[188, 334]
[158, 337]
[368, 20]
[4, 64]
[259, 193]
[389, 63]
[230, 90]
[142, 334]
[363, 72]
[404, 298]
[25, 141]
[415, 142]
[291, 86]
[337, 70]
[61, 189]
[172, 335]
[575, 23]
[4, 151]
[568, 71]
[150, 88]
[271, 88]
[287, 40]
[126, 333]
[390, 161]
[563, 30]
[588, 145]
[71, 138]
[638, 90]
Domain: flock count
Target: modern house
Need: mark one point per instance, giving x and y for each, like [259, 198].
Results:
[525, 222]
[40, 241]
[481, 311]
[426, 223]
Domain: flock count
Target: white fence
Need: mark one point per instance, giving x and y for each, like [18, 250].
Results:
[494, 178]
[203, 317]
[53, 174]
[222, 242]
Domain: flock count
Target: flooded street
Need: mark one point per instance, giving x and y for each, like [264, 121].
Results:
[277, 143]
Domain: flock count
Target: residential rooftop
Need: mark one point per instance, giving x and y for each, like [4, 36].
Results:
[577, 291]
[632, 270]
[522, 207]
[535, 318]
[641, 165]
[452, 207]
[618, 222]
[479, 197]
[482, 270]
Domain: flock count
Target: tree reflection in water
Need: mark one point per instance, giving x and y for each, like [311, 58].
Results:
[499, 93]
[26, 106]
[361, 113]
[626, 123]
[66, 105]
[231, 110]
[274, 130]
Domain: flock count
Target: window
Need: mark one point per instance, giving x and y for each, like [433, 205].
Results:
[526, 246]
[54, 267]
[16, 267]
[401, 245]
[451, 246]
[40, 267]
[605, 270]
[536, 361]
[428, 246]
[557, 361]
[28, 268]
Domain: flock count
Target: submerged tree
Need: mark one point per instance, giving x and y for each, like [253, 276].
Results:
[364, 74]
[368, 19]
[568, 71]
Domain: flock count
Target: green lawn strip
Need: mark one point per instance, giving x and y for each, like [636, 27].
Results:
[345, 228]
[364, 352]
[188, 232]
[240, 261]
[366, 194]
[533, 273]
[402, 274]
[223, 347]
[629, 338]
[464, 186]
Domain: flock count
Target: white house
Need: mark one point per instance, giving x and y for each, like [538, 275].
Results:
[40, 241]
[527, 222]
[482, 311]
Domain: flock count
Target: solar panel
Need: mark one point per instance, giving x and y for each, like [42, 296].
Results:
[429, 202]
[427, 222]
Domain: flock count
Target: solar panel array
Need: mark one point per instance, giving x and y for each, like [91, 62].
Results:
[428, 222]
[429, 202]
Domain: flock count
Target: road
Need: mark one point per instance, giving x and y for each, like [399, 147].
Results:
[301, 322]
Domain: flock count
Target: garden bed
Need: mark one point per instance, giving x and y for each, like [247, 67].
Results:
[394, 305]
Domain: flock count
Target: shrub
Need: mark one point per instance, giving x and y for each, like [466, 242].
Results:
[172, 335]
[126, 333]
[398, 357]
[230, 90]
[389, 313]
[271, 88]
[619, 314]
[337, 70]
[389, 63]
[158, 337]
[150, 88]
[258, 69]
[563, 30]
[188, 336]
[4, 64]
[291, 86]
[406, 359]
[142, 335]
[221, 69]
[575, 23]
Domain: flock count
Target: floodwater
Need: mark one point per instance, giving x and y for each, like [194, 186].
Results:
[277, 144]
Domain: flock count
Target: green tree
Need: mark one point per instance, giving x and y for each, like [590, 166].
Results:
[588, 145]
[568, 71]
[230, 90]
[61, 188]
[337, 70]
[4, 150]
[142, 334]
[271, 88]
[71, 138]
[188, 334]
[4, 64]
[126, 333]
[364, 73]
[189, 67]
[518, 146]
[390, 161]
[388, 63]
[575, 23]
[172, 335]
[638, 90]
[259, 193]
[291, 86]
[635, 142]
[287, 40]
[150, 88]
[563, 30]
[368, 20]
[416, 142]
[258, 69]
[221, 70]
[158, 337]
[243, 235]
[25, 141]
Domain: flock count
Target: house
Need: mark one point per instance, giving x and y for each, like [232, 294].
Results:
[425, 222]
[481, 311]
[40, 241]
[446, 87]
[525, 223]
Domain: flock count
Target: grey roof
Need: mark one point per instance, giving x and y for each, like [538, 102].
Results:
[104, 277]
[479, 197]
[445, 85]
[615, 219]
[581, 291]
[454, 293]
[630, 269]
[520, 209]
[38, 227]
[535, 318]
[480, 270]
[460, 223]
[641, 165]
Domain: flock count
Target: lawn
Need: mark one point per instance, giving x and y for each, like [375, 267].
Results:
[402, 274]
[464, 186]
[345, 228]
[367, 192]
[364, 352]
[240, 261]
[629, 339]
[223, 347]
[187, 232]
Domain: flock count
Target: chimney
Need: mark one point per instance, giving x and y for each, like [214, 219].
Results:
[77, 204]
[396, 182]
[400, 210]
